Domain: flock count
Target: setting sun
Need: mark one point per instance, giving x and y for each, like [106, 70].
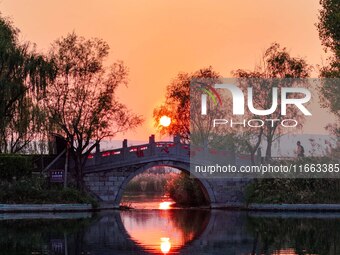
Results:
[165, 205]
[165, 121]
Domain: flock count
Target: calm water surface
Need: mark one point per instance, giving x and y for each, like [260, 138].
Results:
[147, 201]
[177, 231]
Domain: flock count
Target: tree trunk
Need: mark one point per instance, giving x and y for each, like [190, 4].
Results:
[78, 173]
[269, 148]
[252, 156]
[253, 149]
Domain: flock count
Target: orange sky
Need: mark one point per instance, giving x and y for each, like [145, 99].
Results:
[159, 38]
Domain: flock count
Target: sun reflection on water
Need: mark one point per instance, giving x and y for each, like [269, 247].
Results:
[164, 231]
[165, 245]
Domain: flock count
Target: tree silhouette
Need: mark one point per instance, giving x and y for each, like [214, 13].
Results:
[81, 102]
[278, 70]
[329, 32]
[24, 75]
[177, 105]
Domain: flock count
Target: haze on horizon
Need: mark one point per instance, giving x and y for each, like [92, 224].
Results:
[158, 39]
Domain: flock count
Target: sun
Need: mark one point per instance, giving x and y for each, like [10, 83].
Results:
[165, 121]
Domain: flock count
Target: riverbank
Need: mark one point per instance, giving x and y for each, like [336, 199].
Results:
[279, 207]
[295, 207]
[45, 207]
[30, 208]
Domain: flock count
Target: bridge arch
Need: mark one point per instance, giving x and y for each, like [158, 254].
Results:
[183, 166]
[107, 173]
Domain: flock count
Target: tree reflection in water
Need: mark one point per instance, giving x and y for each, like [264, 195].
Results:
[286, 235]
[174, 231]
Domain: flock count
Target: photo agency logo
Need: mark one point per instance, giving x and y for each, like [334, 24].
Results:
[282, 98]
[208, 90]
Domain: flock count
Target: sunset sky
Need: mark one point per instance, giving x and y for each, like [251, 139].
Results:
[157, 39]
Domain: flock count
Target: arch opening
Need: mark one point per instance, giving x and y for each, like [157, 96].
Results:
[170, 184]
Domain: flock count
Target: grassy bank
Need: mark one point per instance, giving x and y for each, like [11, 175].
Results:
[36, 190]
[294, 191]
[298, 190]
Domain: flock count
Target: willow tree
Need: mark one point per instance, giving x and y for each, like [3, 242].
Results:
[81, 102]
[24, 75]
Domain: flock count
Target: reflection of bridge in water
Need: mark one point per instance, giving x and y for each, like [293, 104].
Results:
[215, 232]
[108, 172]
[128, 232]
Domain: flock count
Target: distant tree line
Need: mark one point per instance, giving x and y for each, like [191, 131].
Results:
[276, 63]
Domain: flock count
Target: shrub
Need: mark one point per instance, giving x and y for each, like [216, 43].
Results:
[17, 166]
[294, 191]
[36, 191]
[185, 191]
[299, 190]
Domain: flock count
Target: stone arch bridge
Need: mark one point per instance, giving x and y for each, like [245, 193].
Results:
[107, 173]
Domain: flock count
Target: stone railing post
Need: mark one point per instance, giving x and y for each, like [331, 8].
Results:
[97, 154]
[124, 149]
[152, 145]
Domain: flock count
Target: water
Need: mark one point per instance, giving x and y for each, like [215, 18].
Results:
[146, 201]
[176, 231]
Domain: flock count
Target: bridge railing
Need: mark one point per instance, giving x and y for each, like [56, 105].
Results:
[138, 152]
